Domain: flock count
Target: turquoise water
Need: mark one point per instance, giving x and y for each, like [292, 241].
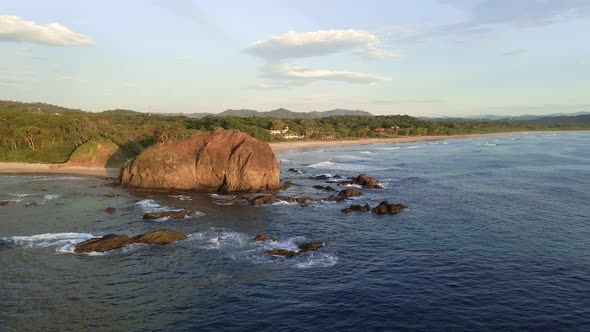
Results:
[495, 237]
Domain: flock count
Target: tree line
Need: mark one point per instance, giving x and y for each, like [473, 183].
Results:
[41, 135]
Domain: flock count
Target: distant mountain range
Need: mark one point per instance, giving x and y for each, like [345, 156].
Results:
[493, 117]
[557, 118]
[279, 113]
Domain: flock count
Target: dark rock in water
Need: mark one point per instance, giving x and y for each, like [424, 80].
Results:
[271, 199]
[360, 208]
[110, 210]
[114, 241]
[31, 204]
[170, 214]
[110, 195]
[364, 181]
[282, 252]
[263, 199]
[3, 203]
[324, 188]
[223, 161]
[288, 184]
[386, 208]
[307, 247]
[162, 236]
[233, 200]
[264, 237]
[347, 193]
[105, 243]
[293, 170]
[303, 248]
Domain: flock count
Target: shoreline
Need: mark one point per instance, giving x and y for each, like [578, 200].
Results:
[282, 146]
[16, 168]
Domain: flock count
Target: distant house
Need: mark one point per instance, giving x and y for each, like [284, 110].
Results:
[279, 131]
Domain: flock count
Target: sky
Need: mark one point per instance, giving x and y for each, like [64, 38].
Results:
[415, 57]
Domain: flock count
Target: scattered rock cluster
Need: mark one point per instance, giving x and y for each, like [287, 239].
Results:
[383, 208]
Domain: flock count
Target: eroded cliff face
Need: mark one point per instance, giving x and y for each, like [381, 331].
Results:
[224, 161]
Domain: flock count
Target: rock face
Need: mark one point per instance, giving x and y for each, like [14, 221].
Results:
[169, 214]
[386, 208]
[97, 153]
[114, 241]
[364, 181]
[360, 208]
[223, 161]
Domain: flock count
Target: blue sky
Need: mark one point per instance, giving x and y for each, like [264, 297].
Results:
[419, 57]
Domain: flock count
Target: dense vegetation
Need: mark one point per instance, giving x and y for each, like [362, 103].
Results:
[47, 133]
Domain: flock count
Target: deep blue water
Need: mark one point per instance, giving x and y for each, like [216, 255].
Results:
[496, 237]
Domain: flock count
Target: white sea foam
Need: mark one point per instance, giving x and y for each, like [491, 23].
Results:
[149, 205]
[20, 195]
[182, 197]
[488, 145]
[367, 152]
[414, 147]
[240, 246]
[65, 242]
[338, 166]
[389, 148]
[50, 197]
[349, 157]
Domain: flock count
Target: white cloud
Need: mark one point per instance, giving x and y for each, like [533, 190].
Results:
[308, 44]
[287, 71]
[14, 28]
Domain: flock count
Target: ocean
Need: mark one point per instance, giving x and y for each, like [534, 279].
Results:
[496, 236]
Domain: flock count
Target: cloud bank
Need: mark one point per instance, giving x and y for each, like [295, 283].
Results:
[14, 28]
[296, 45]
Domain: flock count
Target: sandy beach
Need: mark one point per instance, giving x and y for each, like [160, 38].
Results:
[25, 168]
[279, 146]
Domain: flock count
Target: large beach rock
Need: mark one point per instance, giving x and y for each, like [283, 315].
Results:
[364, 181]
[97, 153]
[223, 161]
[114, 241]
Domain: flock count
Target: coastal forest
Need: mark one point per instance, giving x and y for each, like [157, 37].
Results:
[44, 133]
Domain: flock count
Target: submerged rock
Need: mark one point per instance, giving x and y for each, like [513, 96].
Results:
[223, 161]
[3, 203]
[282, 252]
[264, 237]
[264, 199]
[307, 247]
[271, 199]
[359, 208]
[364, 181]
[324, 188]
[110, 210]
[303, 248]
[386, 208]
[114, 241]
[170, 214]
[288, 184]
